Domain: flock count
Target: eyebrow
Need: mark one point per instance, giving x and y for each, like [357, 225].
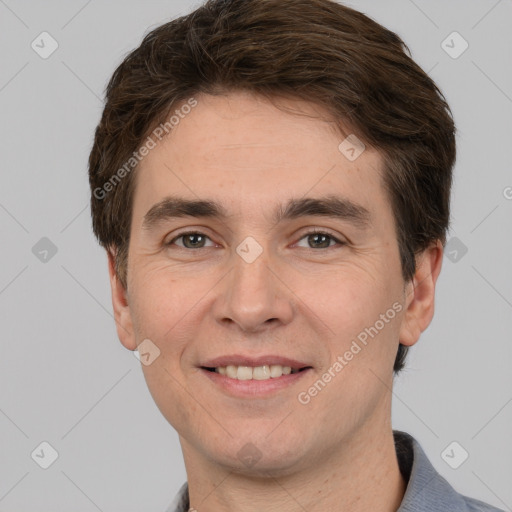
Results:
[331, 206]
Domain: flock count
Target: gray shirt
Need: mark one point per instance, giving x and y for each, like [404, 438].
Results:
[427, 490]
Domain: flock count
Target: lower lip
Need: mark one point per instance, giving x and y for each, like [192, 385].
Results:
[254, 388]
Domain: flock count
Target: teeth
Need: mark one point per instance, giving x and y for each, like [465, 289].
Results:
[244, 373]
[255, 373]
[261, 373]
[231, 372]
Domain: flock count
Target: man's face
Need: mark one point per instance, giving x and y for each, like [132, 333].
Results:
[254, 291]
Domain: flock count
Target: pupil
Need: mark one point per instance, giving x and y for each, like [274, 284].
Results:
[191, 236]
[319, 235]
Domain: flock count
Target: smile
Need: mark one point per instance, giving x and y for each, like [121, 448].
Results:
[264, 372]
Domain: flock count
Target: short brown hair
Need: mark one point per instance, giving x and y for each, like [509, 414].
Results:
[315, 50]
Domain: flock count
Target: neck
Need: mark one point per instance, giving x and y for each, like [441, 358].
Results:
[362, 475]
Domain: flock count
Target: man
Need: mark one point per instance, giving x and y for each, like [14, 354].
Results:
[271, 181]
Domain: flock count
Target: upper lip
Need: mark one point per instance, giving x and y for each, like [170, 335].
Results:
[242, 360]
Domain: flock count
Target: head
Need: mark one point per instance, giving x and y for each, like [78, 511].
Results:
[248, 104]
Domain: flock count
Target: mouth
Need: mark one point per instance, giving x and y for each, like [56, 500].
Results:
[264, 372]
[253, 377]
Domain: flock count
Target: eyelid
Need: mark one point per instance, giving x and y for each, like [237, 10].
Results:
[324, 231]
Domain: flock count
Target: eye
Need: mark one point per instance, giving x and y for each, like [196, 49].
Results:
[320, 239]
[317, 239]
[191, 240]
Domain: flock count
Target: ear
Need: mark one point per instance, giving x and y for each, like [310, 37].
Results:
[122, 314]
[420, 294]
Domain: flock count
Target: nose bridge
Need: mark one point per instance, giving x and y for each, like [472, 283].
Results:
[253, 295]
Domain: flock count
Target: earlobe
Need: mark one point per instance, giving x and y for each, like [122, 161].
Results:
[122, 313]
[420, 294]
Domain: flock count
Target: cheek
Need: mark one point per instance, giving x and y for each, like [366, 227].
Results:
[160, 308]
[362, 317]
[170, 394]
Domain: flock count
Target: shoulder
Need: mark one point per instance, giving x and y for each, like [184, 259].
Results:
[427, 490]
[474, 505]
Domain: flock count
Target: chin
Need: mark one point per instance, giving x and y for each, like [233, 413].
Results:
[263, 458]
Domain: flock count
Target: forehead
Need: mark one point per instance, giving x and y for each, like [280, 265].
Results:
[244, 150]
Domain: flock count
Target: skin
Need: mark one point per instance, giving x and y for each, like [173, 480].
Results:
[337, 451]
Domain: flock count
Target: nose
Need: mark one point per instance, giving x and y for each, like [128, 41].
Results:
[253, 296]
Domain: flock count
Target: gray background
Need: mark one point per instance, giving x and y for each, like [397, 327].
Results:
[64, 376]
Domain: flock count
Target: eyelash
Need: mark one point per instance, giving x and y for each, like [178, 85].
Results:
[305, 235]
